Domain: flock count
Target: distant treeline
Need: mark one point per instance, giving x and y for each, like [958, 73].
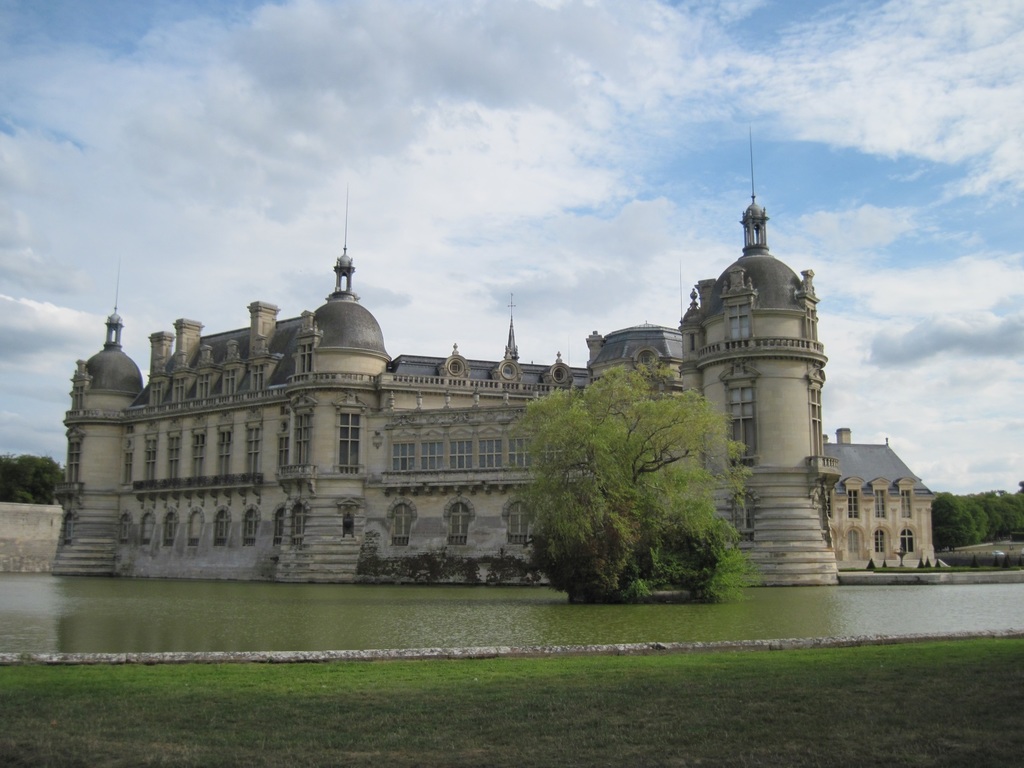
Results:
[28, 479]
[959, 521]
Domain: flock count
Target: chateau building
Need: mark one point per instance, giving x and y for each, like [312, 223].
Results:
[299, 450]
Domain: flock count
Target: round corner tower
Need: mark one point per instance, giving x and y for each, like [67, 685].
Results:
[752, 348]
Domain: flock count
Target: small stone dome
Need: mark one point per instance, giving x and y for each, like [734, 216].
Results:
[776, 284]
[113, 371]
[346, 324]
[626, 343]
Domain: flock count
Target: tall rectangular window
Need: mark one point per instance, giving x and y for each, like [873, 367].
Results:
[739, 321]
[224, 452]
[230, 381]
[403, 457]
[460, 454]
[517, 454]
[490, 453]
[73, 468]
[853, 504]
[203, 386]
[198, 453]
[253, 441]
[304, 358]
[906, 502]
[156, 396]
[348, 442]
[150, 458]
[173, 456]
[282, 450]
[258, 373]
[744, 426]
[432, 455]
[816, 435]
[303, 435]
[77, 397]
[880, 504]
[129, 458]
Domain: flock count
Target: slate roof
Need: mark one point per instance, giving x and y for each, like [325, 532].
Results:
[871, 462]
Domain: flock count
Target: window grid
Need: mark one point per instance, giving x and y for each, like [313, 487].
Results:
[853, 542]
[458, 524]
[250, 528]
[178, 391]
[490, 451]
[224, 452]
[349, 426]
[880, 505]
[742, 410]
[173, 456]
[127, 470]
[195, 528]
[305, 357]
[460, 454]
[906, 503]
[230, 381]
[907, 540]
[816, 425]
[221, 527]
[517, 453]
[403, 457]
[258, 374]
[880, 542]
[170, 528]
[432, 455]
[278, 527]
[74, 465]
[282, 450]
[739, 321]
[853, 504]
[198, 453]
[150, 459]
[402, 525]
[303, 434]
[203, 386]
[518, 524]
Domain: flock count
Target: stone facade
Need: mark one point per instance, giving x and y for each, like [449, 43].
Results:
[300, 450]
[28, 536]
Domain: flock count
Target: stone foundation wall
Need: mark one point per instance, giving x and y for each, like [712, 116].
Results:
[28, 537]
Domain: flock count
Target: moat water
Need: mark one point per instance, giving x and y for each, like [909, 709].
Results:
[43, 614]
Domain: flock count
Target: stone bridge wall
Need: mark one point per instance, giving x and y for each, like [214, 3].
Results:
[28, 537]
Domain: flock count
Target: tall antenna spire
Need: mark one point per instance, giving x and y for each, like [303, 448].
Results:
[344, 268]
[511, 349]
[750, 136]
[344, 246]
[117, 284]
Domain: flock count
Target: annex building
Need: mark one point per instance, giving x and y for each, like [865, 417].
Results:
[299, 449]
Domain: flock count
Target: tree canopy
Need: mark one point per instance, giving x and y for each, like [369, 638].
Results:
[959, 521]
[623, 480]
[28, 479]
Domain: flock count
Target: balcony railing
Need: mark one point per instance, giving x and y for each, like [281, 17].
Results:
[768, 345]
[202, 481]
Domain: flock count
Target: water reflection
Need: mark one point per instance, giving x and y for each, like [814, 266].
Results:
[41, 613]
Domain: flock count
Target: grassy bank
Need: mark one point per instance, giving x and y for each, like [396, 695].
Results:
[934, 704]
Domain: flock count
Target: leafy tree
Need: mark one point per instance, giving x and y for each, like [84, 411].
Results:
[28, 479]
[623, 478]
[952, 525]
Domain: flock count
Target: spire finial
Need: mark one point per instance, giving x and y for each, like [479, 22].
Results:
[343, 267]
[511, 349]
[750, 137]
[117, 284]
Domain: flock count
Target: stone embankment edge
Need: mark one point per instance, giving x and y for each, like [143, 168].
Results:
[488, 652]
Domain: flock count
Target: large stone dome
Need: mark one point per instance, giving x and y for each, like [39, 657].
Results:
[776, 284]
[113, 371]
[346, 324]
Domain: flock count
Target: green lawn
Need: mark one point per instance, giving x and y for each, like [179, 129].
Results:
[936, 704]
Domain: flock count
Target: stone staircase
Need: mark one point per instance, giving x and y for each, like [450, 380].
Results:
[85, 557]
[326, 560]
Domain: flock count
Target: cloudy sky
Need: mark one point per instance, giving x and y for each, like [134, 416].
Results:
[579, 155]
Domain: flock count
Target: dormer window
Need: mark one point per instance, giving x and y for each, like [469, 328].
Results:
[739, 321]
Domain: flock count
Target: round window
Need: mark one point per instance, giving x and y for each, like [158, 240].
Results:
[455, 368]
[558, 375]
[508, 371]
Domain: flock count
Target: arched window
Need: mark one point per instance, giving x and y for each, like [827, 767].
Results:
[853, 543]
[221, 526]
[250, 527]
[401, 525]
[148, 523]
[458, 523]
[279, 516]
[69, 527]
[907, 540]
[518, 524]
[124, 528]
[298, 525]
[170, 528]
[195, 527]
[880, 547]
